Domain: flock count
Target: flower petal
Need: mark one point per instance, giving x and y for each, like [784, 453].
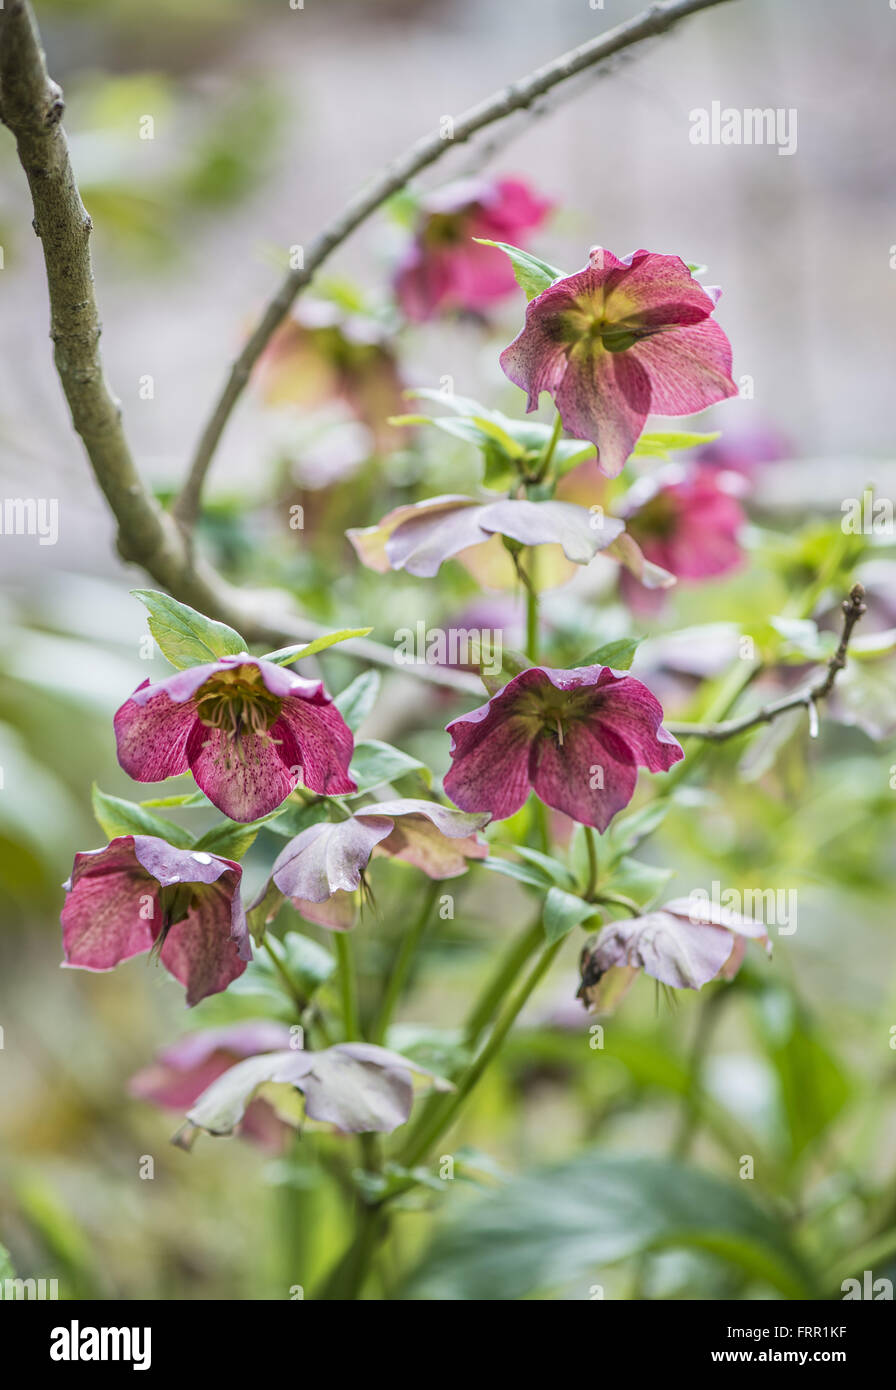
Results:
[244, 783]
[111, 911]
[689, 368]
[201, 950]
[565, 524]
[564, 775]
[328, 857]
[314, 737]
[434, 838]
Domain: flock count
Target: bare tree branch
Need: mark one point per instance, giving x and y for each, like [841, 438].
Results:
[31, 106]
[853, 608]
[517, 96]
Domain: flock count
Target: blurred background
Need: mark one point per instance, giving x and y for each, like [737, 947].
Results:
[264, 120]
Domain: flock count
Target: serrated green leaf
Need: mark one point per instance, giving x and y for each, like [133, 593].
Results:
[116, 816]
[532, 275]
[284, 656]
[185, 637]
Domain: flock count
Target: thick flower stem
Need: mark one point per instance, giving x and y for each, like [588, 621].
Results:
[532, 615]
[591, 847]
[348, 987]
[509, 967]
[547, 457]
[419, 1144]
[401, 966]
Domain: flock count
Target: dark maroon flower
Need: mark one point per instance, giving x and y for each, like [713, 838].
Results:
[189, 1066]
[575, 737]
[687, 523]
[444, 267]
[140, 894]
[618, 341]
[247, 729]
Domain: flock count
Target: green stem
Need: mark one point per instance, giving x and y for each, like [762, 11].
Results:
[547, 457]
[348, 987]
[591, 846]
[508, 968]
[292, 988]
[401, 966]
[532, 613]
[419, 1144]
[618, 900]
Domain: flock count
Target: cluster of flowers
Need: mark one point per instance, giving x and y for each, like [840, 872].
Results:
[614, 342]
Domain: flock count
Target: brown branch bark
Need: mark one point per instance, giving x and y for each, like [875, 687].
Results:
[31, 105]
[853, 607]
[515, 97]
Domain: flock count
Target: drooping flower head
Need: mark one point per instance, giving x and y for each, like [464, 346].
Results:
[141, 894]
[444, 267]
[683, 944]
[356, 1087]
[618, 341]
[420, 536]
[247, 729]
[321, 869]
[688, 523]
[324, 353]
[575, 737]
[189, 1066]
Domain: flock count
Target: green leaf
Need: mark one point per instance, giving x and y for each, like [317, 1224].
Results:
[184, 799]
[374, 763]
[532, 275]
[643, 883]
[185, 637]
[523, 873]
[285, 656]
[619, 654]
[118, 817]
[665, 442]
[558, 1228]
[627, 832]
[308, 963]
[562, 912]
[230, 839]
[813, 1087]
[356, 701]
[552, 867]
[295, 818]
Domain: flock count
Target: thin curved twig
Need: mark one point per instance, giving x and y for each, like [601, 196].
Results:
[515, 97]
[853, 607]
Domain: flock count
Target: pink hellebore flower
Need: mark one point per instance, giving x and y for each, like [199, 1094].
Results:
[575, 737]
[618, 341]
[140, 894]
[444, 267]
[683, 944]
[321, 869]
[189, 1066]
[688, 524]
[247, 729]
